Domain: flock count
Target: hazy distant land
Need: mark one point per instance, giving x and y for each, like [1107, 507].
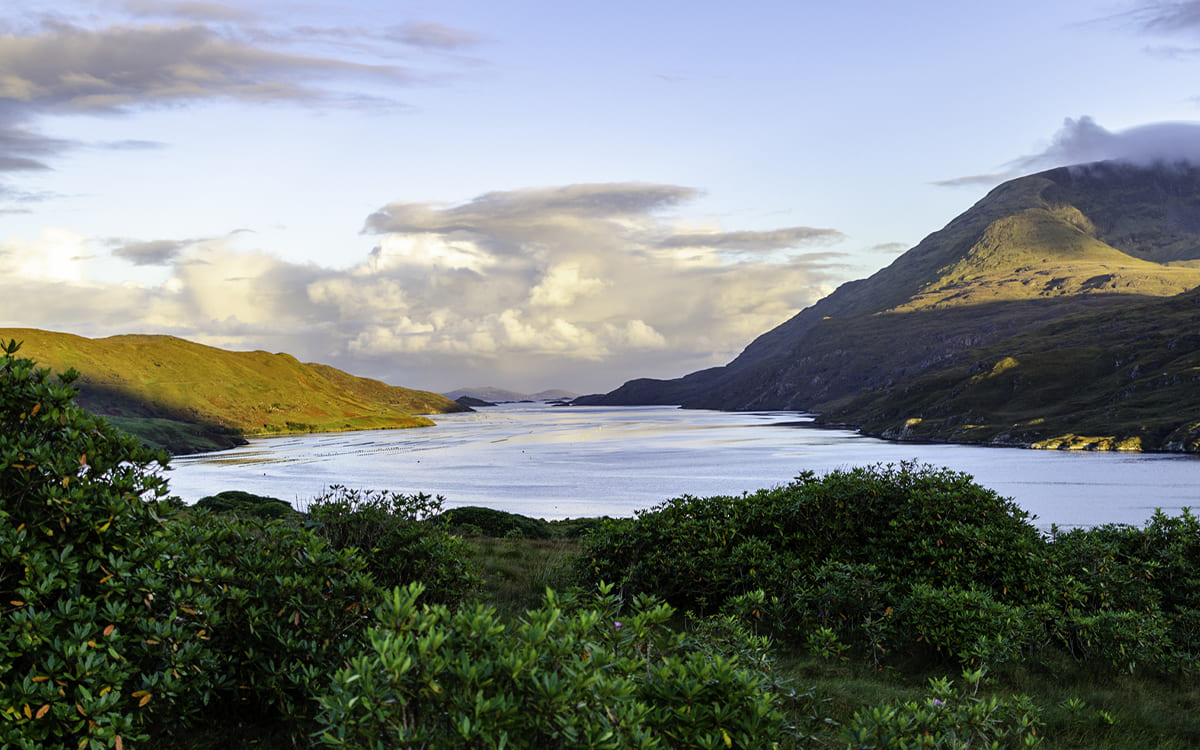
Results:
[502, 395]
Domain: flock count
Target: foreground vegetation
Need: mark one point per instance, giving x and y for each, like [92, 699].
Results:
[880, 607]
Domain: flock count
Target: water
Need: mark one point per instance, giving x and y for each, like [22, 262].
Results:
[561, 462]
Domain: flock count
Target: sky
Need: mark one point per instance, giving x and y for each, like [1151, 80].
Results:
[533, 194]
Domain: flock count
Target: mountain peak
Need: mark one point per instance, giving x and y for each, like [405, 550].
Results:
[1073, 246]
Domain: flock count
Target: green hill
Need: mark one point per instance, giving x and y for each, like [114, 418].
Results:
[188, 397]
[1083, 247]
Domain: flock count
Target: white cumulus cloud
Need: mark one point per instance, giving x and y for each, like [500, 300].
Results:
[581, 286]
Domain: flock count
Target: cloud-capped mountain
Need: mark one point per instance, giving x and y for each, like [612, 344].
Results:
[1057, 309]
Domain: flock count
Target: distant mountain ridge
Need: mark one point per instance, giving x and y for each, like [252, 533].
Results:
[188, 397]
[1059, 258]
[498, 395]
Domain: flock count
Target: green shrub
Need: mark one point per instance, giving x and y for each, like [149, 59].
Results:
[1129, 597]
[561, 677]
[968, 624]
[1105, 567]
[246, 504]
[839, 605]
[843, 596]
[277, 611]
[696, 552]
[496, 523]
[1122, 638]
[124, 622]
[402, 538]
[80, 529]
[1184, 629]
[949, 718]
[1172, 545]
[919, 524]
[914, 524]
[576, 528]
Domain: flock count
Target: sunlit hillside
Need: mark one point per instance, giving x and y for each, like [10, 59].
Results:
[187, 396]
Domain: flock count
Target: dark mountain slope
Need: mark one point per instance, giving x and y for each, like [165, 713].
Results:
[1080, 241]
[1127, 378]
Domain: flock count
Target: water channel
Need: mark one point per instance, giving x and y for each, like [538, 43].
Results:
[557, 462]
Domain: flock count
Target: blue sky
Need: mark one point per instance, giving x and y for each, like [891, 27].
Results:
[532, 194]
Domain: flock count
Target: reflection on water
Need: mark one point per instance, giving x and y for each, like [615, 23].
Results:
[556, 462]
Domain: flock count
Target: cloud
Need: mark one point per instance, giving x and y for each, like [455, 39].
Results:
[195, 11]
[555, 280]
[1083, 140]
[577, 286]
[611, 201]
[433, 35]
[1170, 17]
[72, 69]
[562, 286]
[778, 239]
[975, 180]
[25, 149]
[19, 164]
[180, 53]
[58, 255]
[14, 196]
[149, 253]
[133, 145]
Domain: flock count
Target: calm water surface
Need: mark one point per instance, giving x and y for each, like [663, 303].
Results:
[558, 462]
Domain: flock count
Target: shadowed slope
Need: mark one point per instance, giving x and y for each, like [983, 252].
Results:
[1126, 378]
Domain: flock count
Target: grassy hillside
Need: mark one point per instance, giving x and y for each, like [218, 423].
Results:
[1042, 253]
[1053, 235]
[190, 397]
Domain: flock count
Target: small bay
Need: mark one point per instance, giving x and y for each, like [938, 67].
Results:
[559, 462]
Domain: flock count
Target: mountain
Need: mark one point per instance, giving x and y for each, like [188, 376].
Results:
[1060, 280]
[188, 397]
[497, 395]
[1122, 379]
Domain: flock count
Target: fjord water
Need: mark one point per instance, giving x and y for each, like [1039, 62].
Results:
[558, 462]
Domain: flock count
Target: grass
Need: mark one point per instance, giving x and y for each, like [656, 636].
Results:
[516, 572]
[1079, 708]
